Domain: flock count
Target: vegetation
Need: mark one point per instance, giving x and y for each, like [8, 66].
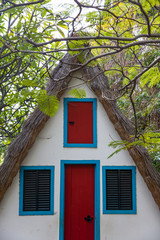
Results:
[123, 37]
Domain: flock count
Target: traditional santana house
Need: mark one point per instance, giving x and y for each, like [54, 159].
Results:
[63, 187]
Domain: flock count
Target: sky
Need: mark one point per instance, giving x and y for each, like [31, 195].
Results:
[58, 4]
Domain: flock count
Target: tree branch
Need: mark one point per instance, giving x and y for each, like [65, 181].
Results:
[141, 73]
[20, 5]
[119, 39]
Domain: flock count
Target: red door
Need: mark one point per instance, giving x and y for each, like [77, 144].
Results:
[79, 202]
[80, 122]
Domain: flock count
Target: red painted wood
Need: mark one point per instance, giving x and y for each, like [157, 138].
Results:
[80, 130]
[79, 202]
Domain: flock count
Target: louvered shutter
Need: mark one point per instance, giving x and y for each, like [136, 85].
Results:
[36, 191]
[119, 189]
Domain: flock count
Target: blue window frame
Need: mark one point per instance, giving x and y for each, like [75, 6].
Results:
[119, 189]
[89, 145]
[36, 195]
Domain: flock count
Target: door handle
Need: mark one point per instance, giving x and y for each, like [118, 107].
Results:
[71, 122]
[88, 218]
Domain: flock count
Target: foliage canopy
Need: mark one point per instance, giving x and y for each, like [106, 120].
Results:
[123, 37]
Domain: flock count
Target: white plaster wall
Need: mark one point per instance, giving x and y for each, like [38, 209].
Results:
[48, 150]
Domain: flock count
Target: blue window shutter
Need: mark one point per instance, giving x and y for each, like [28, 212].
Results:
[36, 194]
[36, 190]
[119, 189]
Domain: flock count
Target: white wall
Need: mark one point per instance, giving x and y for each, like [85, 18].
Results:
[48, 150]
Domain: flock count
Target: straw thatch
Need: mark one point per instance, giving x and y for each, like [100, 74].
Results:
[60, 79]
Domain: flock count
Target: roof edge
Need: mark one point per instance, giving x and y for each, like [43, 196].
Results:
[99, 85]
[19, 148]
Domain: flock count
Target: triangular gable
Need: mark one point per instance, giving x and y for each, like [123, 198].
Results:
[60, 78]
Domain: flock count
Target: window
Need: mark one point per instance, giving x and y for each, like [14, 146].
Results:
[80, 122]
[36, 190]
[119, 190]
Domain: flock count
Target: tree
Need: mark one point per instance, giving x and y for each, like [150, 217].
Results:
[24, 73]
[123, 37]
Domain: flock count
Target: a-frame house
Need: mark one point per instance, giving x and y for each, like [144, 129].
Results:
[57, 183]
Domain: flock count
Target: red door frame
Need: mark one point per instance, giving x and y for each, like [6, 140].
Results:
[97, 195]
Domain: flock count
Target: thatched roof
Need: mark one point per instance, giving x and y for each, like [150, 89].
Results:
[60, 78]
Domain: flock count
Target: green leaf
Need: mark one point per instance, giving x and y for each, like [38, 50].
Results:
[60, 31]
[43, 12]
[151, 77]
[29, 83]
[61, 24]
[78, 93]
[19, 25]
[48, 104]
[115, 152]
